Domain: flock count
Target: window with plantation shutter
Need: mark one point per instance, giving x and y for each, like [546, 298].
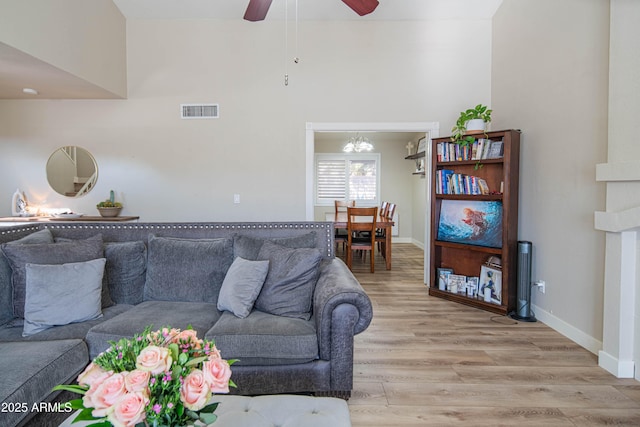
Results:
[347, 177]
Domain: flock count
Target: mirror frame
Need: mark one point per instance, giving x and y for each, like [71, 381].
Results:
[67, 167]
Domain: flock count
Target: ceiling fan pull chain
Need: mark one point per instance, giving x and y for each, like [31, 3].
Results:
[296, 58]
[286, 42]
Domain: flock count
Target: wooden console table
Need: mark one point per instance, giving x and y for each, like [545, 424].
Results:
[88, 218]
[18, 220]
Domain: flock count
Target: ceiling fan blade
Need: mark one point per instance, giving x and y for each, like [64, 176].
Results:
[257, 10]
[362, 7]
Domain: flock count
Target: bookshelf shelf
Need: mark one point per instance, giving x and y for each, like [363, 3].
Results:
[474, 217]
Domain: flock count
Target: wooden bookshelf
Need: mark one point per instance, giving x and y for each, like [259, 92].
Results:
[481, 234]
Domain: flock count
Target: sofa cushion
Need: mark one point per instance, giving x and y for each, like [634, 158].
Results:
[6, 290]
[265, 339]
[12, 331]
[288, 289]
[157, 314]
[241, 286]
[186, 269]
[248, 247]
[39, 253]
[62, 294]
[31, 369]
[125, 271]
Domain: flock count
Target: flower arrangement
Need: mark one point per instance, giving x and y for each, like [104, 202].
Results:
[160, 378]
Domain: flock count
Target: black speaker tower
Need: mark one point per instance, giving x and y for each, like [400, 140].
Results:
[523, 311]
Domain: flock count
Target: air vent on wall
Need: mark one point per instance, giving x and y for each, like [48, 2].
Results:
[199, 111]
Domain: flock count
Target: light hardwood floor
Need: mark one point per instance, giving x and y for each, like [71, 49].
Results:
[425, 361]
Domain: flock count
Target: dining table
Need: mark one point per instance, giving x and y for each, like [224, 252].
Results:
[339, 220]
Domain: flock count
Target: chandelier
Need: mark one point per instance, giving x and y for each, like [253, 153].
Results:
[358, 144]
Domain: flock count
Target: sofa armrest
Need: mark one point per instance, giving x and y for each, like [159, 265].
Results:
[337, 286]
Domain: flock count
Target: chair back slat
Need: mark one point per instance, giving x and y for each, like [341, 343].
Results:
[391, 210]
[342, 205]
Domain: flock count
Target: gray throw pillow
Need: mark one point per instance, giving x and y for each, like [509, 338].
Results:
[6, 290]
[241, 286]
[62, 294]
[248, 247]
[125, 271]
[189, 270]
[50, 254]
[288, 289]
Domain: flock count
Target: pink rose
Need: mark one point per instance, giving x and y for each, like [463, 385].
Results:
[107, 394]
[212, 351]
[217, 373]
[129, 410]
[154, 359]
[96, 382]
[92, 373]
[187, 336]
[195, 390]
[137, 381]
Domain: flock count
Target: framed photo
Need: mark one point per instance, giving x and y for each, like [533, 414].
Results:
[471, 222]
[490, 281]
[472, 286]
[443, 278]
[457, 283]
[422, 145]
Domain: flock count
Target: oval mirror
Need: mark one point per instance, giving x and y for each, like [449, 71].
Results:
[72, 171]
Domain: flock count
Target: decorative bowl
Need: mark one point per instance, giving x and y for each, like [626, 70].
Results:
[109, 212]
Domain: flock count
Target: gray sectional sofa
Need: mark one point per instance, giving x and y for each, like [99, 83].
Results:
[271, 295]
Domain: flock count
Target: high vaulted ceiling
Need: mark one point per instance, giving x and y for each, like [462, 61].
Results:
[19, 70]
[309, 9]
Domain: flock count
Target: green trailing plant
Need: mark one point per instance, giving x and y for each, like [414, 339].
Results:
[459, 130]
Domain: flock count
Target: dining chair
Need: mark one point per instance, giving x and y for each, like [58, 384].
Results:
[361, 220]
[381, 234]
[384, 207]
[341, 233]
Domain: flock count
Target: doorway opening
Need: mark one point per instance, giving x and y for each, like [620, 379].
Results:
[430, 129]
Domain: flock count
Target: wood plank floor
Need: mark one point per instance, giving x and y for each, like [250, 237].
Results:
[425, 361]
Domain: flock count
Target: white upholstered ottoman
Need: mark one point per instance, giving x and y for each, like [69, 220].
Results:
[281, 411]
[273, 411]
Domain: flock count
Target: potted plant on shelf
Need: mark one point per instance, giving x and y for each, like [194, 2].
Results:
[109, 207]
[474, 120]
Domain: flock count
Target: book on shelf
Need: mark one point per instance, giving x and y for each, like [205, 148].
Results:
[481, 148]
[449, 182]
[496, 150]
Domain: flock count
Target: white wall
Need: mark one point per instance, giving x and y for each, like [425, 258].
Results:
[550, 79]
[167, 169]
[86, 39]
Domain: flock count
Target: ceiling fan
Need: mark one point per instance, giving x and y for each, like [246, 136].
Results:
[257, 9]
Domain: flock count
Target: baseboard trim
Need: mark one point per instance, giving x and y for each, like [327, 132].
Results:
[402, 239]
[574, 334]
[417, 243]
[621, 369]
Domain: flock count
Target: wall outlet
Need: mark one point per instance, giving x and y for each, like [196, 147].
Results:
[236, 198]
[541, 285]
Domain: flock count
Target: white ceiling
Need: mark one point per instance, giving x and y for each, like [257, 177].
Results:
[309, 9]
[19, 70]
